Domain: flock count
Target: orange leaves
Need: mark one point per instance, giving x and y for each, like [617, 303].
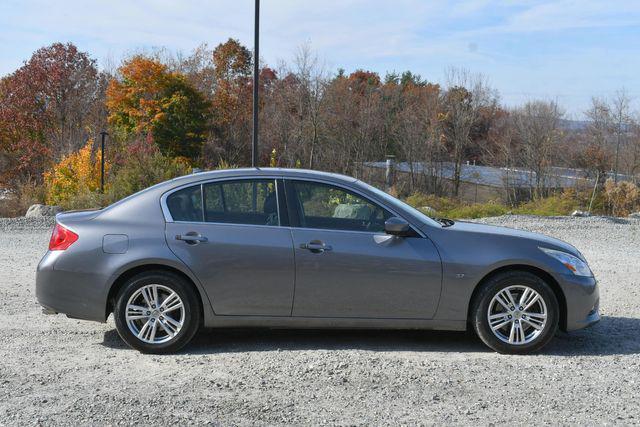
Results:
[231, 60]
[148, 99]
[76, 174]
[623, 197]
[135, 101]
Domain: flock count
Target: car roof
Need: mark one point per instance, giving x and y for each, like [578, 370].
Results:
[160, 188]
[258, 172]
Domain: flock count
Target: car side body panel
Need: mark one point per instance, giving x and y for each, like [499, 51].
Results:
[78, 281]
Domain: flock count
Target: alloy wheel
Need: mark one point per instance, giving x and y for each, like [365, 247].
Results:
[155, 314]
[517, 315]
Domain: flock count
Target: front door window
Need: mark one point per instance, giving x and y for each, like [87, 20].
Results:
[325, 206]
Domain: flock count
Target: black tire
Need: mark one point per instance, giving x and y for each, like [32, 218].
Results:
[480, 307]
[190, 301]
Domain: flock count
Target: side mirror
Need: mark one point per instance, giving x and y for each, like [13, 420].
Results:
[397, 227]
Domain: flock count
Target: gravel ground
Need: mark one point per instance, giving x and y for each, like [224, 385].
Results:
[59, 371]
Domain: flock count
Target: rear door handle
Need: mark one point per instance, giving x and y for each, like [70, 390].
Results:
[316, 246]
[191, 238]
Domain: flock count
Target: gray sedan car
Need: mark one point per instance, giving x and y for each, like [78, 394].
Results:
[304, 249]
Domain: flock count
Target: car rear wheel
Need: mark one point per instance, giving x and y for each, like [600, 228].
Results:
[515, 312]
[157, 312]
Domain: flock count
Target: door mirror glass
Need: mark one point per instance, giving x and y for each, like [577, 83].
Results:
[396, 226]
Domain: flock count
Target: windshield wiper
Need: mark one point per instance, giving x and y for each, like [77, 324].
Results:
[446, 222]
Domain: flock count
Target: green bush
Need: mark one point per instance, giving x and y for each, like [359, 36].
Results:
[439, 204]
[550, 206]
[142, 171]
[562, 204]
[477, 210]
[447, 207]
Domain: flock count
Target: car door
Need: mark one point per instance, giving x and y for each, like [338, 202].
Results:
[231, 235]
[346, 266]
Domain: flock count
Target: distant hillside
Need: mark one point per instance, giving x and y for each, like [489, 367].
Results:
[574, 125]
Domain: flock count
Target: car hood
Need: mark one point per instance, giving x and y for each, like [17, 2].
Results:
[496, 231]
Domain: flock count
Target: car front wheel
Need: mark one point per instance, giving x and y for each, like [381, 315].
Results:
[157, 312]
[515, 312]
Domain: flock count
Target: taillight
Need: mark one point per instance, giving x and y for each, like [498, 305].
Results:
[61, 238]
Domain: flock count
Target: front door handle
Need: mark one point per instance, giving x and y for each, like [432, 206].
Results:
[191, 238]
[316, 246]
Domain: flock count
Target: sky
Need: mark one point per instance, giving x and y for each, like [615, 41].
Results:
[561, 50]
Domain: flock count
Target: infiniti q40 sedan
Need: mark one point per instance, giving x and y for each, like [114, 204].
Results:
[304, 249]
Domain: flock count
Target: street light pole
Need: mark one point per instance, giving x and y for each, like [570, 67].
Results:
[256, 83]
[103, 134]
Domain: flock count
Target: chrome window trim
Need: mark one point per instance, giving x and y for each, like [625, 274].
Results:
[287, 227]
[168, 218]
[234, 224]
[334, 230]
[167, 214]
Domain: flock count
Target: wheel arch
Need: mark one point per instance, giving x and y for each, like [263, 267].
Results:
[548, 278]
[122, 278]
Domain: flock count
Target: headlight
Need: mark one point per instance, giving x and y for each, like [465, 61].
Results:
[573, 263]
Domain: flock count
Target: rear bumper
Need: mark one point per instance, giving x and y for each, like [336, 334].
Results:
[76, 294]
[583, 301]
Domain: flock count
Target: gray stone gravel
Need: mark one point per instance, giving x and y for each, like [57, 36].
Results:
[59, 371]
[8, 225]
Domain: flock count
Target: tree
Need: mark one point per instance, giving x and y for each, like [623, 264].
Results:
[199, 70]
[49, 107]
[231, 105]
[537, 127]
[596, 157]
[634, 155]
[415, 131]
[502, 149]
[467, 98]
[353, 122]
[293, 112]
[621, 121]
[76, 177]
[457, 121]
[147, 99]
[232, 61]
[180, 131]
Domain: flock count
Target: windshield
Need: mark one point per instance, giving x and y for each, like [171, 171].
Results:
[399, 204]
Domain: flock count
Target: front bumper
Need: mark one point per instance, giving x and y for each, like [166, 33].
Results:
[583, 301]
[76, 294]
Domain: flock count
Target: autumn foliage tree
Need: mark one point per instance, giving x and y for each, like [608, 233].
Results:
[75, 179]
[49, 107]
[231, 104]
[148, 99]
[166, 113]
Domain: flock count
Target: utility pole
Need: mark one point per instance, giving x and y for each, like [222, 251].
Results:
[256, 83]
[103, 134]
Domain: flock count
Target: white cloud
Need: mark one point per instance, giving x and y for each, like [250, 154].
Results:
[425, 36]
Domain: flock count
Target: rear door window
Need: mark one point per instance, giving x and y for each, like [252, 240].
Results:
[186, 204]
[249, 201]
